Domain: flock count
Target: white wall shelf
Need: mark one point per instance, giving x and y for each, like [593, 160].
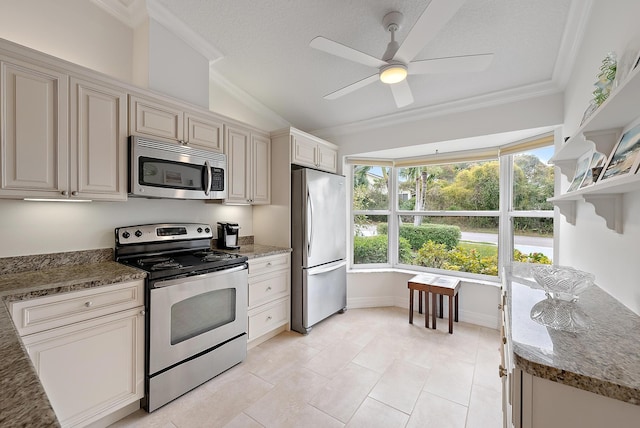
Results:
[601, 132]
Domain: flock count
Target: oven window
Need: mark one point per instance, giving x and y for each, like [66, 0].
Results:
[202, 313]
[175, 175]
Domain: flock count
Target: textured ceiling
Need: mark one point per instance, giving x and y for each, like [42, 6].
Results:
[265, 48]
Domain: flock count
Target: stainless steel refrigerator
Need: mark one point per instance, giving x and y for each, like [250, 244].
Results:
[318, 265]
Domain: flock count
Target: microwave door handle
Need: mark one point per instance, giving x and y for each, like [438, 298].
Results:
[207, 187]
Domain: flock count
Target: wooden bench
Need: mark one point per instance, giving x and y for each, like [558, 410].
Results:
[439, 286]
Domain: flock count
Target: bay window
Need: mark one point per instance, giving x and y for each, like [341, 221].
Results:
[466, 214]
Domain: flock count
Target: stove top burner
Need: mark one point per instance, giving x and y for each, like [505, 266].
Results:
[166, 265]
[154, 260]
[212, 256]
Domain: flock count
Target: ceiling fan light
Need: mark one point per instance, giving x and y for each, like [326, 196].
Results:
[393, 73]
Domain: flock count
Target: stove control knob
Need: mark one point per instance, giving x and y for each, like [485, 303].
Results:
[199, 230]
[138, 233]
[125, 235]
[207, 230]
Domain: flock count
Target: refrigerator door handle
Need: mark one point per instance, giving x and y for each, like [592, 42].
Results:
[326, 268]
[309, 223]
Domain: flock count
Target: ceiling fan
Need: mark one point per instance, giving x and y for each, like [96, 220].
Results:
[396, 63]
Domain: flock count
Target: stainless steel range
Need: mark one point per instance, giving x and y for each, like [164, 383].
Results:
[196, 302]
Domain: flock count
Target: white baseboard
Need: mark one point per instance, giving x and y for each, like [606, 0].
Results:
[475, 318]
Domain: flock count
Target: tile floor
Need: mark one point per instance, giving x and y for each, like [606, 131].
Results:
[364, 368]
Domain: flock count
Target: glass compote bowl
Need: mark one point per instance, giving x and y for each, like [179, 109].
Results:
[562, 282]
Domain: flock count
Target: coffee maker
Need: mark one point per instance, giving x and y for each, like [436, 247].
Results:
[228, 235]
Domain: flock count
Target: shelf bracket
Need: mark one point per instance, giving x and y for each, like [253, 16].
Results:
[568, 210]
[567, 168]
[609, 207]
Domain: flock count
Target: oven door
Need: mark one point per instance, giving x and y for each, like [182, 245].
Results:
[194, 314]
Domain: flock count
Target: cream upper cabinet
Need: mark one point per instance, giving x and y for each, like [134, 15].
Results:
[159, 118]
[155, 119]
[260, 169]
[63, 137]
[34, 139]
[248, 166]
[310, 151]
[206, 132]
[98, 141]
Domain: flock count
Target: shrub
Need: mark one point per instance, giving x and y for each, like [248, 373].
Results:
[437, 233]
[540, 258]
[370, 249]
[432, 255]
[404, 251]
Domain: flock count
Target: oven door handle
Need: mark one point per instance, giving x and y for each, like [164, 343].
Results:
[207, 188]
[179, 281]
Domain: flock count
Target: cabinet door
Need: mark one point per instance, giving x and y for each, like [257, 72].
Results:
[238, 165]
[260, 170]
[204, 132]
[156, 119]
[327, 158]
[98, 141]
[92, 368]
[34, 140]
[303, 151]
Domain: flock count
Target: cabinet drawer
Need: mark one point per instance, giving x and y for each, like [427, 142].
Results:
[267, 287]
[268, 264]
[268, 317]
[34, 315]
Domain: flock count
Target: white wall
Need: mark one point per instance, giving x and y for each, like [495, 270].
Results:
[478, 303]
[48, 227]
[175, 68]
[76, 31]
[589, 245]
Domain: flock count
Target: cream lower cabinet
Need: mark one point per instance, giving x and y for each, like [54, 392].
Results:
[87, 348]
[248, 167]
[269, 293]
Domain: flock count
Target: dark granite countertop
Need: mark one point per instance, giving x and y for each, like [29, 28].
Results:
[23, 401]
[603, 358]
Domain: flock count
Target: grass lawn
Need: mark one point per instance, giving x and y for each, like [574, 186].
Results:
[483, 249]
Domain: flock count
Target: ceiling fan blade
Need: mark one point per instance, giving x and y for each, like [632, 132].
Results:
[402, 93]
[338, 49]
[454, 64]
[352, 87]
[435, 16]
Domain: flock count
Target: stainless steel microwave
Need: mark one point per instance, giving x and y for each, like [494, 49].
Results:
[168, 170]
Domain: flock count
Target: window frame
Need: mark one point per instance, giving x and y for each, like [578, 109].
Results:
[505, 212]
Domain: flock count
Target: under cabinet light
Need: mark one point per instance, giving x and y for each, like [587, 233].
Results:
[56, 200]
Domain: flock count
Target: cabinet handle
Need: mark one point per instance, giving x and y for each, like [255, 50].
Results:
[502, 372]
[504, 340]
[183, 142]
[269, 318]
[268, 264]
[500, 306]
[142, 312]
[65, 193]
[88, 304]
[269, 288]
[74, 193]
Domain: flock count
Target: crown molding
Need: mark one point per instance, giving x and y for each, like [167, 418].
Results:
[571, 40]
[459, 106]
[131, 12]
[246, 99]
